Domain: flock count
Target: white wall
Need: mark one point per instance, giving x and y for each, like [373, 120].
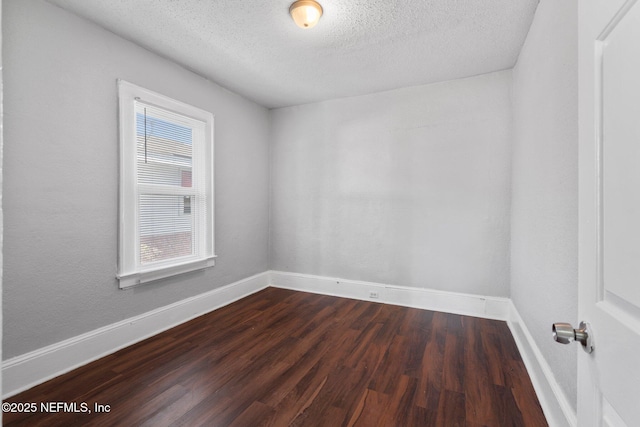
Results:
[61, 177]
[544, 247]
[408, 187]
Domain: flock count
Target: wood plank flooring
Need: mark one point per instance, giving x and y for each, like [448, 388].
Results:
[285, 358]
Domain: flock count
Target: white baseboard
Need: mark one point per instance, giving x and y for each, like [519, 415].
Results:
[25, 371]
[553, 400]
[427, 299]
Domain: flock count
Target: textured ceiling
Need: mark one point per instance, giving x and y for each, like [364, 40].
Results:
[253, 48]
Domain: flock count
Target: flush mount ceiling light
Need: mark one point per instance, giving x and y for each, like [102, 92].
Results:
[305, 13]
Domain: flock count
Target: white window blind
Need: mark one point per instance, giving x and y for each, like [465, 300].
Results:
[166, 195]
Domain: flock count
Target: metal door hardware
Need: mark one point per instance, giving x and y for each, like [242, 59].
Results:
[564, 333]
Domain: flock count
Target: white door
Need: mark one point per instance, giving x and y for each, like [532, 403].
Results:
[609, 99]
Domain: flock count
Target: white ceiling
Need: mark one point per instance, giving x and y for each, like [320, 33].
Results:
[253, 48]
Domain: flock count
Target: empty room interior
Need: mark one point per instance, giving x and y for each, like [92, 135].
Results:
[263, 213]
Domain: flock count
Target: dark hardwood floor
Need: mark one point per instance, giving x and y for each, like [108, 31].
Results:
[284, 358]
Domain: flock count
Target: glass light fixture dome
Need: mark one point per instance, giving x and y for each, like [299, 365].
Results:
[305, 13]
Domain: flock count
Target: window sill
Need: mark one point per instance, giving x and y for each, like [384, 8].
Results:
[139, 278]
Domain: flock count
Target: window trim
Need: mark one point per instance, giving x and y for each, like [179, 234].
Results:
[130, 272]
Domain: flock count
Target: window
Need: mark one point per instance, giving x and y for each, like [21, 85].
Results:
[166, 187]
